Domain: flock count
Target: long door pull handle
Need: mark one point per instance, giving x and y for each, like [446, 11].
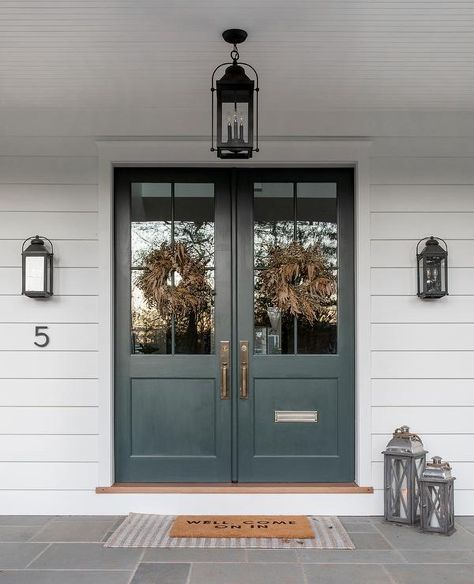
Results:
[244, 369]
[224, 365]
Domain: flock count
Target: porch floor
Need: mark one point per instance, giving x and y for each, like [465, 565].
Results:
[68, 550]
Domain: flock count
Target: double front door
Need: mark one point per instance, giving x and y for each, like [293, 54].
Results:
[234, 325]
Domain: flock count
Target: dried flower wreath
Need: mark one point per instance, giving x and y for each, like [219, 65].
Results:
[298, 281]
[191, 291]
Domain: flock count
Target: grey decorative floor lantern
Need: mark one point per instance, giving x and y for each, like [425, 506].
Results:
[404, 461]
[235, 112]
[437, 497]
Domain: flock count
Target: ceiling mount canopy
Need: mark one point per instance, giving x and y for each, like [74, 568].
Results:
[235, 110]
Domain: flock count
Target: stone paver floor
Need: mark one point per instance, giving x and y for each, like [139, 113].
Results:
[69, 550]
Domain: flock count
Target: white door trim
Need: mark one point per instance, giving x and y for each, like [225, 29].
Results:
[314, 152]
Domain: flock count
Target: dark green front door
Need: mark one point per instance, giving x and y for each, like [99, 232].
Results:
[234, 325]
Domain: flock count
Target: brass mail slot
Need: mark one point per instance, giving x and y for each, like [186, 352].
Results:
[296, 416]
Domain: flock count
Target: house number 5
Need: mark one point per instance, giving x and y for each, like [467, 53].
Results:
[44, 336]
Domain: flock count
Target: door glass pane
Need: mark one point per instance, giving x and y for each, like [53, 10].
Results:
[295, 264]
[194, 229]
[172, 271]
[274, 230]
[151, 228]
[317, 234]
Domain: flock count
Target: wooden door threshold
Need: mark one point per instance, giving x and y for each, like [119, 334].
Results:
[233, 488]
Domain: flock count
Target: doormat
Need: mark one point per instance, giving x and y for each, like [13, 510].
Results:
[280, 526]
[153, 531]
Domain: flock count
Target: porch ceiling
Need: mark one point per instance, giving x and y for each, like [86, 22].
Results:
[312, 55]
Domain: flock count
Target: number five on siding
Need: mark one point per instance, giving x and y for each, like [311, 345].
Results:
[44, 336]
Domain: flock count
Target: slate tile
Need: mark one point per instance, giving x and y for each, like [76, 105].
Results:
[64, 577]
[358, 525]
[350, 556]
[88, 556]
[438, 557]
[194, 555]
[25, 519]
[64, 531]
[370, 541]
[161, 574]
[272, 556]
[426, 574]
[338, 574]
[18, 532]
[409, 538]
[246, 574]
[19, 555]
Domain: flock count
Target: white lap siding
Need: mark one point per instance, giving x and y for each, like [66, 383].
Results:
[422, 361]
[422, 353]
[49, 396]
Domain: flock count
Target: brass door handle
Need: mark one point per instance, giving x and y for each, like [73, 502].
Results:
[224, 365]
[244, 369]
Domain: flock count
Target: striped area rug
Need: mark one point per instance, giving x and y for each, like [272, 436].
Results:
[152, 531]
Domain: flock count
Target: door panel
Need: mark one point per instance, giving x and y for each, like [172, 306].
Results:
[294, 419]
[296, 363]
[171, 424]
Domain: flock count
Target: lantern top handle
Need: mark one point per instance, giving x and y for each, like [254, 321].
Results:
[431, 240]
[37, 240]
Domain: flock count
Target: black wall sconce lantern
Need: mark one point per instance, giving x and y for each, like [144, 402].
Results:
[37, 267]
[236, 122]
[432, 268]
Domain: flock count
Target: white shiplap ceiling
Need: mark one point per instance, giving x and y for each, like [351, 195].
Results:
[312, 54]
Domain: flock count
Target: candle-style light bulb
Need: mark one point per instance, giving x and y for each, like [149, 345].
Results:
[241, 129]
[236, 124]
[229, 129]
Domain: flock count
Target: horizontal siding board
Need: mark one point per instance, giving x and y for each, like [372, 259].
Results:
[31, 197]
[454, 447]
[48, 169]
[44, 475]
[422, 392]
[422, 337]
[428, 364]
[402, 254]
[54, 225]
[463, 471]
[403, 146]
[32, 365]
[423, 419]
[47, 146]
[80, 309]
[420, 198]
[403, 281]
[427, 171]
[67, 254]
[410, 309]
[47, 420]
[67, 281]
[456, 225]
[49, 392]
[41, 448]
[63, 337]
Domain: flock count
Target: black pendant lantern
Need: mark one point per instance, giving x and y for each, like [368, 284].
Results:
[37, 268]
[235, 113]
[432, 268]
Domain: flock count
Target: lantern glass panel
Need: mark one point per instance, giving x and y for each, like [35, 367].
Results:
[399, 488]
[434, 506]
[434, 269]
[36, 271]
[235, 118]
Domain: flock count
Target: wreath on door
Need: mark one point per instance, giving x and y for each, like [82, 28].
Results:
[298, 280]
[174, 281]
